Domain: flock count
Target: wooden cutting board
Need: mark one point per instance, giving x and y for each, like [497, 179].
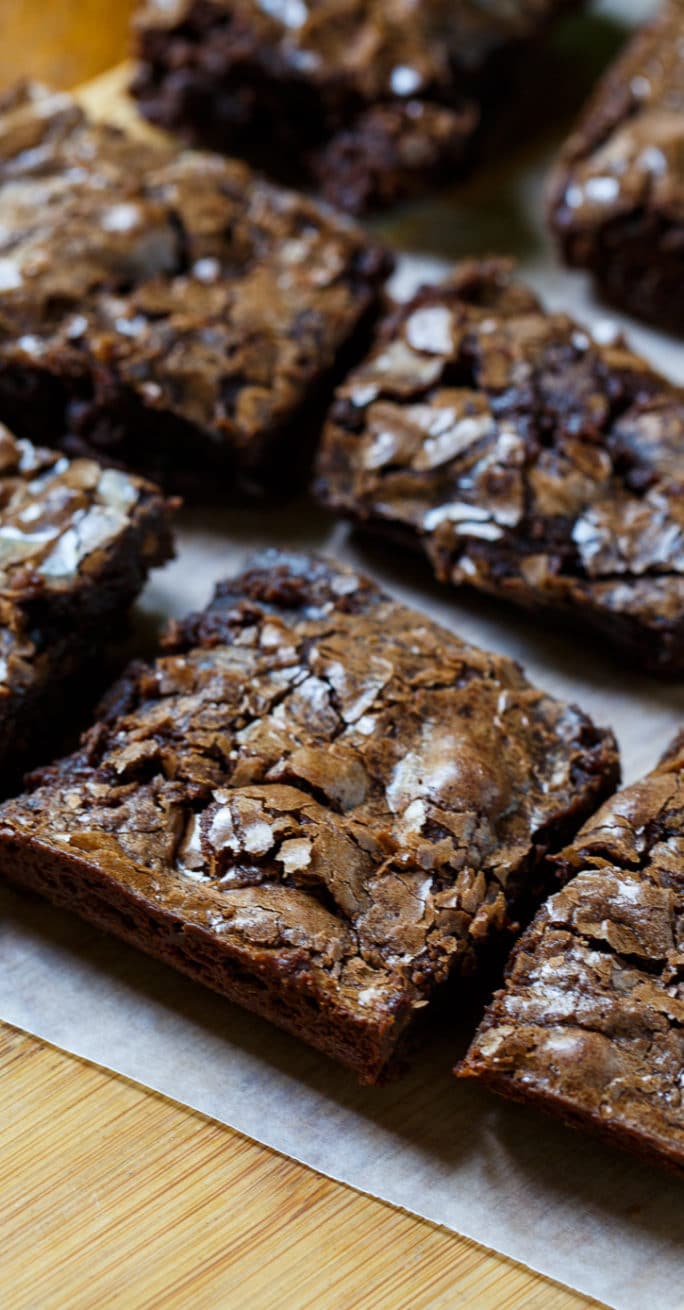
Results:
[113, 1196]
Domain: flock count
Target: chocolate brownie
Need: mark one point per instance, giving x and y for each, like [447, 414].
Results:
[617, 201]
[522, 457]
[76, 543]
[314, 801]
[370, 101]
[590, 1024]
[171, 312]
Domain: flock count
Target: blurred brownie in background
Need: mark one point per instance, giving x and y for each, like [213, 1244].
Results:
[169, 312]
[369, 101]
[617, 196]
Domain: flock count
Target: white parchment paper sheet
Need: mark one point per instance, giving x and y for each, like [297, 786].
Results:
[560, 1203]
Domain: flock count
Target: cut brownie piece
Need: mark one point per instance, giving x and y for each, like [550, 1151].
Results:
[617, 201]
[590, 1024]
[523, 458]
[371, 100]
[171, 312]
[316, 802]
[76, 543]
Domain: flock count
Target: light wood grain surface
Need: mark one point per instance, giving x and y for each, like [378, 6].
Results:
[113, 1196]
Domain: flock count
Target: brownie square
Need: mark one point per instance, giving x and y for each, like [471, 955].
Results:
[522, 457]
[170, 312]
[370, 101]
[76, 544]
[617, 199]
[315, 801]
[590, 1024]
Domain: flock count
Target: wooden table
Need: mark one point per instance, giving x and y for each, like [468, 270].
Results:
[113, 1196]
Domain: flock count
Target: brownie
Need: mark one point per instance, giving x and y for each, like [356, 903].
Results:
[170, 312]
[76, 544]
[617, 199]
[522, 457]
[370, 102]
[315, 801]
[590, 1024]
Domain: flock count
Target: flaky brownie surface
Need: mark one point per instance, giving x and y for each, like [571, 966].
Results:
[590, 1024]
[316, 801]
[373, 98]
[169, 310]
[76, 543]
[522, 457]
[617, 202]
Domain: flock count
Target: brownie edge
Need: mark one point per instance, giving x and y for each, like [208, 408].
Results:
[315, 801]
[589, 1026]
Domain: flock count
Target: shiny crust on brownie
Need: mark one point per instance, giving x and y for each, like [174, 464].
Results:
[617, 196]
[316, 801]
[590, 1024]
[522, 457]
[76, 543]
[167, 310]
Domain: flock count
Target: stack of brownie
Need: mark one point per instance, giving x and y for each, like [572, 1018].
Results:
[314, 799]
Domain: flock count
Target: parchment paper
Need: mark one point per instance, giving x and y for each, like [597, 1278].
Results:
[558, 1202]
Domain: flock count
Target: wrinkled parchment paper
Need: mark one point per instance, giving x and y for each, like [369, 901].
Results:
[562, 1204]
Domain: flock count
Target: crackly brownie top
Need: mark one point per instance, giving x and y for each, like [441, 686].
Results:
[627, 152]
[212, 294]
[374, 49]
[59, 520]
[314, 771]
[522, 453]
[594, 1007]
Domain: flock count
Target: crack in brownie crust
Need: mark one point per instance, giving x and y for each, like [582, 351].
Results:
[168, 310]
[617, 201]
[523, 458]
[591, 1022]
[316, 801]
[76, 543]
[373, 100]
